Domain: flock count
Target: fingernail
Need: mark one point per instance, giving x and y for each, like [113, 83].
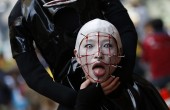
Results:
[118, 77]
[112, 76]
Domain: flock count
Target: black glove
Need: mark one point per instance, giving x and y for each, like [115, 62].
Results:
[89, 97]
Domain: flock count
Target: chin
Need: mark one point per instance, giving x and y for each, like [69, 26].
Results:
[103, 79]
[98, 81]
[93, 81]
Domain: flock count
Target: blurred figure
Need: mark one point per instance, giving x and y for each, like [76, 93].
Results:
[5, 91]
[139, 15]
[12, 95]
[4, 5]
[19, 99]
[4, 39]
[156, 52]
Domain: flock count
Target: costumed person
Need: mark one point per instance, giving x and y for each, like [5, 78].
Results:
[156, 52]
[98, 50]
[53, 26]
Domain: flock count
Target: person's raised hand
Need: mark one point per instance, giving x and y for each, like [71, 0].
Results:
[110, 85]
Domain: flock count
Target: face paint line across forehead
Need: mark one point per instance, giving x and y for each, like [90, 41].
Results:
[89, 36]
[92, 35]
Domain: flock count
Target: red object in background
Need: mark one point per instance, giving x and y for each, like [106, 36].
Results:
[166, 96]
[156, 52]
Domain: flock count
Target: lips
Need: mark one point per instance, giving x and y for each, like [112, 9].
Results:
[99, 70]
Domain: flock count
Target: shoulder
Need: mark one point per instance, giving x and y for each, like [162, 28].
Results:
[150, 92]
[15, 13]
[146, 87]
[20, 9]
[143, 83]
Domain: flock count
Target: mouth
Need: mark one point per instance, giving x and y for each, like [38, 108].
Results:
[98, 69]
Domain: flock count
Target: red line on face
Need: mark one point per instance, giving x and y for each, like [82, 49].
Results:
[86, 55]
[98, 43]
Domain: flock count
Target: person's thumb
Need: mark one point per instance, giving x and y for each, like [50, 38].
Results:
[85, 84]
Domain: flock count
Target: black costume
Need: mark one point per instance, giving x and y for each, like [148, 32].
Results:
[140, 95]
[54, 31]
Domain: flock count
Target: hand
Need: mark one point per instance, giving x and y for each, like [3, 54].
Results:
[110, 85]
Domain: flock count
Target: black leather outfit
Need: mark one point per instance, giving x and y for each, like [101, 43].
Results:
[54, 30]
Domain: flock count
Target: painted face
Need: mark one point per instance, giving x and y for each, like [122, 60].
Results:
[98, 56]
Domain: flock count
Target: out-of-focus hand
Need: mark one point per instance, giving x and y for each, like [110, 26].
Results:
[110, 85]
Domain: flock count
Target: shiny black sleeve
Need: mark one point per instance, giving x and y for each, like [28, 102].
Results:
[29, 65]
[116, 13]
[38, 79]
[20, 38]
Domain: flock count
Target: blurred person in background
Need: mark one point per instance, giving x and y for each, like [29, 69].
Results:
[5, 90]
[4, 39]
[5, 93]
[4, 5]
[156, 52]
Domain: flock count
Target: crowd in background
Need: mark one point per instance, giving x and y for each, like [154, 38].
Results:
[15, 94]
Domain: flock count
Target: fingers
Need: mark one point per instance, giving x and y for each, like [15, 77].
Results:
[85, 84]
[110, 85]
[111, 88]
[107, 82]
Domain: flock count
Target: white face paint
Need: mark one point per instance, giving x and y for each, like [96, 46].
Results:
[98, 53]
[97, 49]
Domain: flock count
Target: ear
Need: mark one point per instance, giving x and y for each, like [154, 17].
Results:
[76, 55]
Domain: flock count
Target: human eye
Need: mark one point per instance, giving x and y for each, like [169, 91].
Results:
[88, 46]
[108, 45]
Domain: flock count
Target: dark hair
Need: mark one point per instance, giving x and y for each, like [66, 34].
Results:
[157, 24]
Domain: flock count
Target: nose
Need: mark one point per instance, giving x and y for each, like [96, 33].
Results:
[98, 55]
